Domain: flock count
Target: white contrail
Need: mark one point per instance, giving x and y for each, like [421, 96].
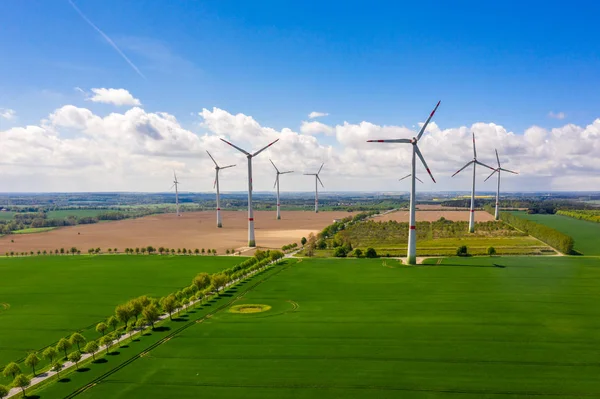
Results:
[108, 39]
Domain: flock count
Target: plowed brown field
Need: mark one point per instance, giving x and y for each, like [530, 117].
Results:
[190, 230]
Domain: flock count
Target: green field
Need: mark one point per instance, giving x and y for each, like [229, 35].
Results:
[62, 214]
[45, 298]
[6, 215]
[469, 328]
[586, 234]
[32, 230]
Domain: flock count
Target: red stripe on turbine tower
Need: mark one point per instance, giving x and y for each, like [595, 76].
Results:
[218, 209]
[413, 227]
[472, 210]
[251, 219]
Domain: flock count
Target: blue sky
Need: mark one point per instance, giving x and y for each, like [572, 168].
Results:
[508, 63]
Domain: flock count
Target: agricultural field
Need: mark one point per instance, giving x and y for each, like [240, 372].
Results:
[585, 233]
[431, 213]
[6, 215]
[190, 230]
[44, 298]
[462, 328]
[33, 230]
[62, 214]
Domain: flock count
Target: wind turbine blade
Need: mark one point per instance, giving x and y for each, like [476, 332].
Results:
[276, 178]
[319, 179]
[264, 148]
[390, 141]
[215, 162]
[408, 175]
[497, 158]
[461, 169]
[509, 171]
[427, 121]
[274, 165]
[320, 168]
[175, 176]
[235, 146]
[418, 179]
[172, 187]
[474, 151]
[491, 174]
[289, 171]
[482, 164]
[310, 174]
[424, 163]
[228, 166]
[216, 178]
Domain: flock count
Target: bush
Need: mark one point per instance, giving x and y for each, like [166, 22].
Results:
[339, 252]
[371, 253]
[491, 251]
[303, 241]
[462, 251]
[358, 252]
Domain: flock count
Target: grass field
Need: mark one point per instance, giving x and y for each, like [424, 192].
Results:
[6, 215]
[45, 298]
[469, 328]
[33, 230]
[586, 234]
[62, 214]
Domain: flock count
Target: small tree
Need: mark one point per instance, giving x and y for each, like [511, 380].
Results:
[151, 314]
[227, 251]
[22, 381]
[491, 251]
[50, 353]
[57, 367]
[124, 313]
[358, 252]
[136, 307]
[63, 346]
[113, 322]
[77, 340]
[3, 391]
[101, 328]
[203, 251]
[75, 357]
[196, 251]
[218, 281]
[107, 341]
[340, 252]
[91, 348]
[137, 251]
[62, 251]
[172, 251]
[303, 241]
[109, 250]
[462, 251]
[201, 281]
[32, 360]
[130, 329]
[143, 250]
[98, 250]
[371, 253]
[169, 304]
[73, 250]
[11, 370]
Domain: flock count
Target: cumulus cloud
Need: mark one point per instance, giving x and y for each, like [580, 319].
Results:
[557, 115]
[314, 127]
[112, 96]
[73, 148]
[316, 114]
[7, 113]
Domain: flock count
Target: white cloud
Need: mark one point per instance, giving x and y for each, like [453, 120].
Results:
[7, 113]
[316, 114]
[558, 115]
[74, 149]
[314, 127]
[113, 96]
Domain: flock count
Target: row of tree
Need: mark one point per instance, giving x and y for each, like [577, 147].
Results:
[60, 251]
[589, 215]
[562, 242]
[141, 311]
[291, 247]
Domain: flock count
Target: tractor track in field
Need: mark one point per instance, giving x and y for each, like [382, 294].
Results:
[165, 339]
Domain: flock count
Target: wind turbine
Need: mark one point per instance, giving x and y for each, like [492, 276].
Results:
[409, 175]
[175, 184]
[277, 184]
[216, 184]
[497, 212]
[474, 162]
[317, 179]
[412, 232]
[251, 240]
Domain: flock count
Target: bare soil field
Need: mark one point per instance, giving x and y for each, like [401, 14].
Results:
[190, 230]
[433, 215]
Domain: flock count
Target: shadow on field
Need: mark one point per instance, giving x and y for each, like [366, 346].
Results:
[162, 328]
[227, 295]
[113, 353]
[98, 361]
[83, 369]
[64, 380]
[136, 340]
[32, 396]
[493, 266]
[147, 334]
[123, 346]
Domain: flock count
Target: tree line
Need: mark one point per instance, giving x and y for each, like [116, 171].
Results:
[129, 251]
[133, 316]
[589, 215]
[562, 242]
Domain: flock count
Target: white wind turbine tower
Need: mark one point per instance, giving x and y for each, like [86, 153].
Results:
[497, 212]
[277, 184]
[412, 232]
[216, 184]
[317, 179]
[474, 162]
[251, 240]
[175, 184]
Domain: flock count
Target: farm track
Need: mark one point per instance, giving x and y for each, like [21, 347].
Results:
[174, 333]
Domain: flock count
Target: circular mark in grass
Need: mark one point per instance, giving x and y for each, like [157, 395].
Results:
[249, 308]
[4, 306]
